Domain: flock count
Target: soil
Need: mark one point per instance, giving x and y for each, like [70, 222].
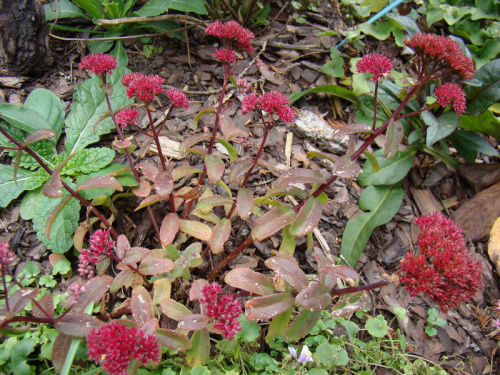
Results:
[293, 55]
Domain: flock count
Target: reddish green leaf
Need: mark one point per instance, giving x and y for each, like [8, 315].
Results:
[173, 340]
[350, 303]
[205, 205]
[287, 268]
[196, 229]
[96, 288]
[247, 279]
[196, 287]
[122, 246]
[200, 351]
[124, 278]
[279, 324]
[150, 200]
[215, 168]
[346, 168]
[21, 298]
[47, 304]
[264, 308]
[38, 135]
[299, 175]
[353, 128]
[141, 305]
[394, 137]
[164, 183]
[161, 290]
[173, 309]
[52, 187]
[287, 190]
[308, 218]
[98, 182]
[148, 169]
[77, 324]
[143, 190]
[135, 255]
[343, 272]
[301, 325]
[220, 235]
[60, 351]
[155, 264]
[150, 327]
[193, 322]
[169, 227]
[53, 214]
[314, 297]
[183, 171]
[272, 222]
[192, 140]
[244, 202]
[238, 170]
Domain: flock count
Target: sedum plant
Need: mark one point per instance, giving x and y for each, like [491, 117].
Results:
[174, 296]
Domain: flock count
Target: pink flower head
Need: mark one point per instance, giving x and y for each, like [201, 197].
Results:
[232, 31]
[444, 269]
[243, 85]
[127, 116]
[98, 63]
[442, 53]
[74, 291]
[451, 94]
[6, 256]
[225, 55]
[273, 102]
[224, 310]
[100, 245]
[145, 88]
[129, 77]
[178, 98]
[376, 64]
[114, 345]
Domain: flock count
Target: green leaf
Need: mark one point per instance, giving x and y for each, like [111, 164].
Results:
[441, 127]
[328, 89]
[154, 8]
[9, 188]
[62, 9]
[31, 203]
[195, 6]
[63, 227]
[250, 330]
[272, 222]
[120, 54]
[382, 203]
[486, 123]
[301, 325]
[468, 144]
[200, 351]
[391, 170]
[379, 30]
[47, 104]
[329, 356]
[63, 267]
[479, 99]
[377, 327]
[23, 117]
[89, 160]
[92, 7]
[88, 107]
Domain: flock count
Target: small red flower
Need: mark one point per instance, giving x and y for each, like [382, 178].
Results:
[442, 53]
[100, 245]
[273, 102]
[376, 64]
[6, 256]
[178, 98]
[99, 63]
[127, 116]
[232, 30]
[225, 55]
[129, 77]
[451, 94]
[444, 269]
[224, 309]
[248, 103]
[114, 345]
[144, 88]
[73, 292]
[243, 85]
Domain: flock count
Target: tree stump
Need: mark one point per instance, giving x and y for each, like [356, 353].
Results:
[23, 47]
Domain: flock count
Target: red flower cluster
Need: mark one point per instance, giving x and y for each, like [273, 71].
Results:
[115, 344]
[224, 309]
[271, 102]
[98, 63]
[144, 88]
[442, 52]
[73, 292]
[6, 256]
[232, 30]
[225, 55]
[451, 94]
[99, 245]
[444, 269]
[127, 116]
[178, 98]
[376, 64]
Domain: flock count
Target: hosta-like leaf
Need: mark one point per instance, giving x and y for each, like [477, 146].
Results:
[220, 235]
[196, 229]
[83, 125]
[391, 170]
[307, 219]
[169, 227]
[195, 6]
[247, 279]
[301, 325]
[272, 222]
[89, 160]
[244, 202]
[49, 106]
[264, 308]
[11, 188]
[23, 117]
[480, 98]
[288, 269]
[299, 175]
[215, 168]
[153, 8]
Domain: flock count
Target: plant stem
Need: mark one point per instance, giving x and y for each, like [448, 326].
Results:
[374, 124]
[65, 185]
